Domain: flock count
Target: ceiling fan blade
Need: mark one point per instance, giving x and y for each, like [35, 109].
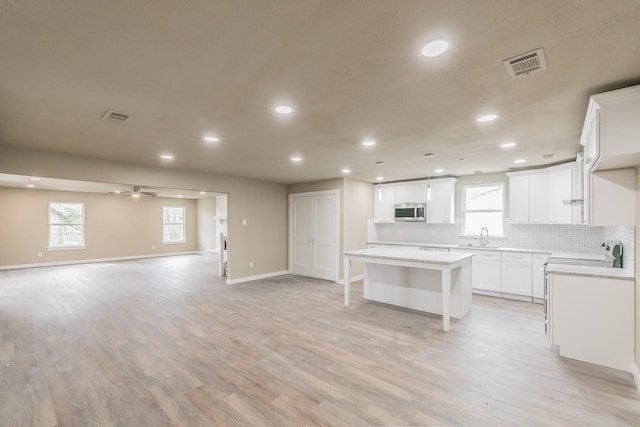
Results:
[149, 193]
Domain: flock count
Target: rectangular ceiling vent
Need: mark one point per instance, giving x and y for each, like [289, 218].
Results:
[525, 63]
[114, 116]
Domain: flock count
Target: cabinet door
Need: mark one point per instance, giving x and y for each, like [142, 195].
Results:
[486, 274]
[384, 199]
[440, 209]
[561, 189]
[539, 197]
[516, 274]
[537, 275]
[519, 198]
[411, 193]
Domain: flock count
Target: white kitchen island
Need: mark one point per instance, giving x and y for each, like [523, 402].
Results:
[429, 281]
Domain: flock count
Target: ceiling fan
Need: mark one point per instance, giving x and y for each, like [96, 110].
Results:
[135, 192]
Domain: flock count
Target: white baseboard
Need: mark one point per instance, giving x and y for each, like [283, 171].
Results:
[353, 279]
[93, 260]
[257, 277]
[636, 375]
[487, 293]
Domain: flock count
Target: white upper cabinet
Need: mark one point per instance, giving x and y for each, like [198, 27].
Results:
[611, 132]
[611, 140]
[529, 196]
[565, 195]
[441, 206]
[411, 192]
[384, 199]
[550, 195]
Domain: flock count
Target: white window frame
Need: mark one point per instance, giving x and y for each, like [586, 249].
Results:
[465, 210]
[184, 226]
[65, 247]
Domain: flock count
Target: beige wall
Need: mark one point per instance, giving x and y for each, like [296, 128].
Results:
[115, 226]
[637, 270]
[207, 238]
[356, 206]
[262, 240]
[484, 178]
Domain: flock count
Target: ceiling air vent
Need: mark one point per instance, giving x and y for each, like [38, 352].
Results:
[114, 116]
[525, 63]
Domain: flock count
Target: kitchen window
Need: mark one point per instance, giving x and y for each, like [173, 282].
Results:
[173, 224]
[483, 206]
[66, 225]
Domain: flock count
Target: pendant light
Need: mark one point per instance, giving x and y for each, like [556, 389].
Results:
[428, 156]
[379, 178]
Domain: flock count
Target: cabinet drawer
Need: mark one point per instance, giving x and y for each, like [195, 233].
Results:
[522, 258]
[487, 255]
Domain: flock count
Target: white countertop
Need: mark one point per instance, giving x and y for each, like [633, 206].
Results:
[583, 270]
[472, 248]
[411, 255]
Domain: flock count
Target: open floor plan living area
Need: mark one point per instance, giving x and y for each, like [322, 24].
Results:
[319, 213]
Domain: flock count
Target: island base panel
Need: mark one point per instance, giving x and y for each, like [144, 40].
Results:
[418, 289]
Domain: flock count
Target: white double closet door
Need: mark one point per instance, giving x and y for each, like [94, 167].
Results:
[313, 235]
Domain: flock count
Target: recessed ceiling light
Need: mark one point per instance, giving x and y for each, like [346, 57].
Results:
[487, 118]
[30, 186]
[346, 170]
[439, 170]
[166, 156]
[284, 109]
[34, 178]
[211, 139]
[379, 178]
[369, 143]
[116, 192]
[508, 145]
[519, 161]
[179, 196]
[203, 192]
[296, 159]
[435, 48]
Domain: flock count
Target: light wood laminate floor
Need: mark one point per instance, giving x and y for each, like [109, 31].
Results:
[165, 342]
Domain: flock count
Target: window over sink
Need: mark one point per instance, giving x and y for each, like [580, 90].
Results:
[483, 206]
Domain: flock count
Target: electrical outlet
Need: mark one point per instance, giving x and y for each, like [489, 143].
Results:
[251, 264]
[39, 253]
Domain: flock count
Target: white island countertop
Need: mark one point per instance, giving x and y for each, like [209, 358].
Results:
[383, 283]
[409, 255]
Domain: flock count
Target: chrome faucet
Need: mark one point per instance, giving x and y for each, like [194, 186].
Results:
[482, 242]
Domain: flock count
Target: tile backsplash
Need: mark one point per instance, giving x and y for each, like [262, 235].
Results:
[551, 237]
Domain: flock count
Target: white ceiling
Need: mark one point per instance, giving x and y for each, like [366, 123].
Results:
[43, 183]
[352, 70]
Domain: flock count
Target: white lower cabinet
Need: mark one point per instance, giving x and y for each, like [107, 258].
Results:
[516, 276]
[486, 271]
[592, 319]
[537, 277]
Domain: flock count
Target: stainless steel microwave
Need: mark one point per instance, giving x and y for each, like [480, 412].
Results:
[410, 212]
